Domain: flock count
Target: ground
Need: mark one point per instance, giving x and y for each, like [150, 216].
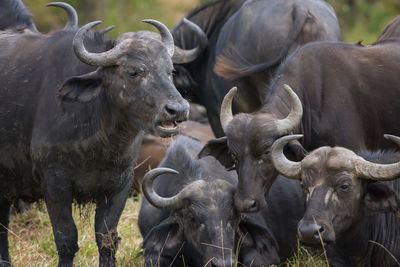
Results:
[32, 241]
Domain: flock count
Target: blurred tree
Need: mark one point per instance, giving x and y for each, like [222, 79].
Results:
[359, 19]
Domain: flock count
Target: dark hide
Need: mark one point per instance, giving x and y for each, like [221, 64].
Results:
[70, 131]
[259, 32]
[358, 219]
[349, 95]
[195, 232]
[14, 15]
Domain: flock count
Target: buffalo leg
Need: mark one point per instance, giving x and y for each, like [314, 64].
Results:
[58, 198]
[107, 216]
[4, 219]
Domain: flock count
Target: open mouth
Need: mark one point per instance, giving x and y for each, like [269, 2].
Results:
[167, 128]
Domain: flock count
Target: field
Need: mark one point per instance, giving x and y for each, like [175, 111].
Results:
[32, 241]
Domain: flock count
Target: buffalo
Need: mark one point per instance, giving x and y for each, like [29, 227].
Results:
[72, 121]
[346, 91]
[244, 32]
[14, 15]
[353, 202]
[188, 215]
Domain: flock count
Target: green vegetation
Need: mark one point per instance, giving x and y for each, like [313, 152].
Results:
[359, 19]
[364, 19]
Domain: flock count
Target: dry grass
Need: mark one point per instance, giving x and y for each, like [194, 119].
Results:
[32, 241]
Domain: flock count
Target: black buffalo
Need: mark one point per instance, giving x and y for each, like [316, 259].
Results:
[188, 215]
[257, 32]
[71, 123]
[346, 197]
[14, 15]
[349, 95]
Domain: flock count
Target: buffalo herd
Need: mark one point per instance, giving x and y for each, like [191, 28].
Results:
[288, 149]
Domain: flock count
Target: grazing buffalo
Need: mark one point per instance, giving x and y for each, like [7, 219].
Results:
[71, 124]
[189, 215]
[345, 193]
[14, 15]
[255, 32]
[347, 92]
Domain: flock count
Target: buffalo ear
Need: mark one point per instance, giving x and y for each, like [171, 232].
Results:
[294, 151]
[162, 244]
[257, 244]
[380, 197]
[82, 88]
[218, 148]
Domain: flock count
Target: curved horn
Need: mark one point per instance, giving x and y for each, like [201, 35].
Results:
[104, 59]
[286, 167]
[72, 22]
[288, 124]
[226, 108]
[156, 200]
[106, 30]
[182, 56]
[393, 138]
[375, 171]
[166, 36]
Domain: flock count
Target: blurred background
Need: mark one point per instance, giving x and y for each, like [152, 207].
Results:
[359, 19]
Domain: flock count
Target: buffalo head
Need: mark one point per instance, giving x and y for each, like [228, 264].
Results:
[339, 186]
[204, 219]
[247, 147]
[135, 78]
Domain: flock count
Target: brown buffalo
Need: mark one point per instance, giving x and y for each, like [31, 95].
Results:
[345, 192]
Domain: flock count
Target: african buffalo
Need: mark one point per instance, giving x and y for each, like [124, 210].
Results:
[255, 32]
[347, 92]
[189, 214]
[71, 123]
[14, 15]
[345, 193]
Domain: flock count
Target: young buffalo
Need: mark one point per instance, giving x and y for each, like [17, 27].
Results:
[345, 193]
[188, 217]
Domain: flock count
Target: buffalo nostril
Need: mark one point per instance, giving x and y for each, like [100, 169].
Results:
[171, 110]
[310, 233]
[318, 232]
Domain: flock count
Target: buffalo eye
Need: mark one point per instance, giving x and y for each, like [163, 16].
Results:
[134, 74]
[267, 152]
[344, 187]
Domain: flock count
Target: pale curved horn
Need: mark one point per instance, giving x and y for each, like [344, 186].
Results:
[182, 56]
[375, 171]
[156, 200]
[166, 36]
[286, 167]
[72, 22]
[104, 59]
[226, 108]
[289, 123]
[393, 138]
